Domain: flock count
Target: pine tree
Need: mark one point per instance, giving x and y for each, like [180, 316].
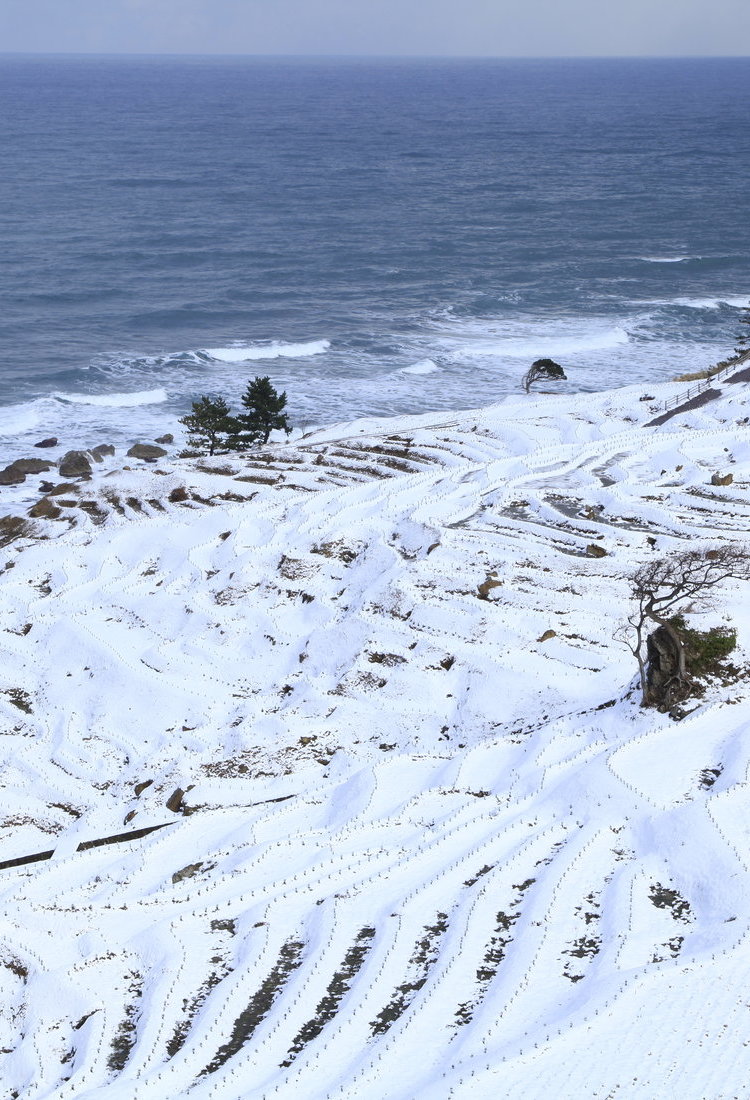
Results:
[264, 413]
[210, 423]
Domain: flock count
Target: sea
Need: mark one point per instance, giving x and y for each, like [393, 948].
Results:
[377, 236]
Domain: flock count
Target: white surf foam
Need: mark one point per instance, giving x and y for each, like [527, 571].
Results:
[424, 366]
[667, 259]
[713, 303]
[114, 400]
[524, 340]
[273, 350]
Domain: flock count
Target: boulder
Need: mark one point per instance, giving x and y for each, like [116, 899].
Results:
[146, 451]
[10, 476]
[32, 465]
[595, 551]
[168, 438]
[17, 471]
[101, 450]
[717, 479]
[174, 802]
[75, 464]
[51, 442]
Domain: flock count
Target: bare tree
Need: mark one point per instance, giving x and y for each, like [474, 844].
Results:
[660, 588]
[542, 368]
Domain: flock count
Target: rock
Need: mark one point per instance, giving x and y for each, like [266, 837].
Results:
[594, 551]
[187, 872]
[17, 471]
[141, 787]
[547, 635]
[10, 476]
[129, 816]
[101, 450]
[717, 479]
[60, 489]
[490, 582]
[45, 509]
[168, 438]
[75, 464]
[51, 442]
[31, 465]
[13, 527]
[146, 451]
[178, 494]
[174, 802]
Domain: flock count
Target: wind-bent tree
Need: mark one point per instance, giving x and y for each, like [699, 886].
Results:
[542, 368]
[660, 588]
[210, 424]
[264, 414]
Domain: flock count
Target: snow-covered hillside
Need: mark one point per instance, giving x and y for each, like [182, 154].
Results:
[421, 841]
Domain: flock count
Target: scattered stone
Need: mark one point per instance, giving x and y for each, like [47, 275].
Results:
[179, 494]
[146, 451]
[595, 551]
[717, 479]
[129, 816]
[51, 442]
[75, 464]
[168, 438]
[547, 635]
[141, 787]
[45, 509]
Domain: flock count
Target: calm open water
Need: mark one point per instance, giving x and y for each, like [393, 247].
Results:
[378, 236]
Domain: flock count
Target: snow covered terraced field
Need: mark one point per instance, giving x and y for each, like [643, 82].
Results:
[418, 839]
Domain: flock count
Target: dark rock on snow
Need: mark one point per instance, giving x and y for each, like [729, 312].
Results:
[146, 451]
[101, 450]
[75, 464]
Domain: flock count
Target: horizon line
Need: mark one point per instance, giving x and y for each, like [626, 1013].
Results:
[377, 56]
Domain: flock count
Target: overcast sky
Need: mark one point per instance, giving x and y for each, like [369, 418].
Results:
[500, 28]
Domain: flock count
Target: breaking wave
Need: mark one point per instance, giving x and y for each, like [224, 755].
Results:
[273, 350]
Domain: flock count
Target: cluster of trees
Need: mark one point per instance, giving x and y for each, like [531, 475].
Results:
[213, 426]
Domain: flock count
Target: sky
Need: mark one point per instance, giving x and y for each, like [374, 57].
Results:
[484, 28]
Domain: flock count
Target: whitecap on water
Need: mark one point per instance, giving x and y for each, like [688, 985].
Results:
[274, 350]
[424, 366]
[114, 400]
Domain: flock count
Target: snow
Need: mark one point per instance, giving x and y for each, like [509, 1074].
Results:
[423, 850]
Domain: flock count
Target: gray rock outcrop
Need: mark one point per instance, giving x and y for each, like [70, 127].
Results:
[75, 464]
[147, 451]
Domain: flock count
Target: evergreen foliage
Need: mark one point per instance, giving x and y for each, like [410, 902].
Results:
[210, 424]
[264, 413]
[542, 368]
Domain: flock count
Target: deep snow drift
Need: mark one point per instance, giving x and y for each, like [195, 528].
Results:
[420, 851]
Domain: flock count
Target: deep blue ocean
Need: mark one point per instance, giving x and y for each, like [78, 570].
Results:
[378, 236]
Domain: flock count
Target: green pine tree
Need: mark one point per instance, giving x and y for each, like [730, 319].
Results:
[210, 424]
[264, 413]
